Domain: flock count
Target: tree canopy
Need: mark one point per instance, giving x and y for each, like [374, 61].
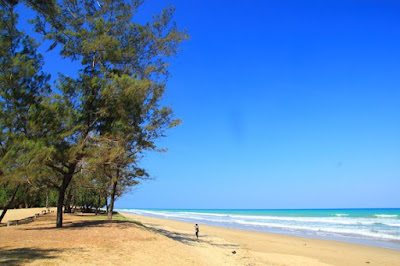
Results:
[89, 131]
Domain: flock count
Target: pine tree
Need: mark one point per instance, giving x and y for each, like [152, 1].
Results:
[118, 92]
[22, 87]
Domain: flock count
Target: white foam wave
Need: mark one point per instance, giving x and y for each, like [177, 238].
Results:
[225, 217]
[397, 225]
[325, 229]
[331, 220]
[385, 215]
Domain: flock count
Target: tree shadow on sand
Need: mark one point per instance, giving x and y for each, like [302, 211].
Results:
[18, 256]
[190, 239]
[89, 223]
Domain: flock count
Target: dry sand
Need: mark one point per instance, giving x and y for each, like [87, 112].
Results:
[85, 241]
[16, 214]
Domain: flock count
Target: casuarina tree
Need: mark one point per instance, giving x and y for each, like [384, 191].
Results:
[23, 86]
[117, 92]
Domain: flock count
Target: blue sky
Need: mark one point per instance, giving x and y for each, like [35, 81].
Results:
[285, 104]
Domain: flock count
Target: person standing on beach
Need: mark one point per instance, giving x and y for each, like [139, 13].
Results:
[196, 228]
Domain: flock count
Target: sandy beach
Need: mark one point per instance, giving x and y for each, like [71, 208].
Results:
[273, 249]
[89, 240]
[16, 214]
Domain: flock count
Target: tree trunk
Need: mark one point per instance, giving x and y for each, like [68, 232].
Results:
[26, 198]
[112, 199]
[67, 205]
[98, 203]
[47, 199]
[9, 203]
[61, 195]
[60, 204]
[106, 199]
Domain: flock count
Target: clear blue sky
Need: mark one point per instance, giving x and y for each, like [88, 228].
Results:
[285, 104]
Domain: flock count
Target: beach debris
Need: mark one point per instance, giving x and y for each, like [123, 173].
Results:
[234, 252]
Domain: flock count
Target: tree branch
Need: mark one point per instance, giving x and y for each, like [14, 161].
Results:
[56, 168]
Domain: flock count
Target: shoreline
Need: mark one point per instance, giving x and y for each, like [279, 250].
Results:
[364, 229]
[272, 248]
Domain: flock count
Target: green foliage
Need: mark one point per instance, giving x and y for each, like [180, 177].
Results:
[5, 194]
[27, 196]
[114, 104]
[97, 126]
[22, 88]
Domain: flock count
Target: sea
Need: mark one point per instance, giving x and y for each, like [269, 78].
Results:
[373, 227]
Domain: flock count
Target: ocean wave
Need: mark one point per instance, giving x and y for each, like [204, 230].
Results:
[341, 231]
[341, 214]
[385, 215]
[176, 215]
[396, 225]
[384, 227]
[330, 220]
[215, 217]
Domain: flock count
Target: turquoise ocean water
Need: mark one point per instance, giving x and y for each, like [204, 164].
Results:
[375, 227]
